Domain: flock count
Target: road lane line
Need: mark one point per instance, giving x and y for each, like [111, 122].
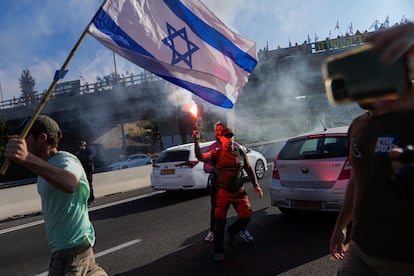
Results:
[34, 223]
[19, 227]
[106, 252]
[124, 201]
[116, 248]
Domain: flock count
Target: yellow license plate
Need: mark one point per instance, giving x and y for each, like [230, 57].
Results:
[306, 204]
[170, 171]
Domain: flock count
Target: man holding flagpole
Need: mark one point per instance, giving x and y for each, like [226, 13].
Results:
[215, 65]
[64, 190]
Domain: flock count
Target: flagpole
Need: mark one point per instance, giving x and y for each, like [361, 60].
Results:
[52, 87]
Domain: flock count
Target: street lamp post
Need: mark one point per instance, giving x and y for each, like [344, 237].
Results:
[1, 93]
[116, 72]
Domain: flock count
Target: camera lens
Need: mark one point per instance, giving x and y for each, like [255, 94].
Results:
[339, 90]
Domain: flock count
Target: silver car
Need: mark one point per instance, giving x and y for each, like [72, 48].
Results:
[134, 160]
[311, 172]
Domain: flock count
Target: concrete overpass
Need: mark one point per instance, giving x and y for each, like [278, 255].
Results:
[92, 109]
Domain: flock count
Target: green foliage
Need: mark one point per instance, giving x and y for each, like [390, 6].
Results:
[3, 129]
[27, 84]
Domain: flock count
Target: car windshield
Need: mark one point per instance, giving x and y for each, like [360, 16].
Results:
[314, 148]
[174, 155]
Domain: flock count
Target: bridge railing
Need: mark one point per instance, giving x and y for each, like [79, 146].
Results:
[82, 88]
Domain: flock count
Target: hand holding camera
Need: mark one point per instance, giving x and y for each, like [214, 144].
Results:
[360, 76]
[403, 172]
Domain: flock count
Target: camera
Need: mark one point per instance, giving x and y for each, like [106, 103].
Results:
[407, 155]
[358, 76]
[403, 179]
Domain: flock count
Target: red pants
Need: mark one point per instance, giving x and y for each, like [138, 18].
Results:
[239, 200]
[241, 204]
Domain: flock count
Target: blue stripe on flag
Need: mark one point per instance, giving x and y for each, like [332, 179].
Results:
[108, 26]
[208, 94]
[212, 36]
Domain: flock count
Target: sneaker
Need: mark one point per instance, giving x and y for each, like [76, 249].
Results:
[246, 236]
[209, 237]
[218, 256]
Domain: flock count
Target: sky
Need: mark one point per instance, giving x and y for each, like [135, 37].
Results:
[40, 35]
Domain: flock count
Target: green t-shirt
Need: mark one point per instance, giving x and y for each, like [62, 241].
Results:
[66, 215]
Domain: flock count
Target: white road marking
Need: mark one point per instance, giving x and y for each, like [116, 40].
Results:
[34, 223]
[18, 227]
[116, 248]
[105, 252]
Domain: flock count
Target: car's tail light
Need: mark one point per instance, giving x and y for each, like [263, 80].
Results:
[346, 171]
[187, 164]
[275, 173]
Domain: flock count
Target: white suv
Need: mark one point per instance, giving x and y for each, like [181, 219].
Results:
[177, 168]
[311, 172]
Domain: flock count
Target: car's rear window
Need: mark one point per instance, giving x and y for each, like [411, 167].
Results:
[173, 155]
[314, 148]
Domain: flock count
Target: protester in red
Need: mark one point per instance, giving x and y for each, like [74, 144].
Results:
[230, 162]
[209, 167]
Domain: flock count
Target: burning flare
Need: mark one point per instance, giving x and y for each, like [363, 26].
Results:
[194, 110]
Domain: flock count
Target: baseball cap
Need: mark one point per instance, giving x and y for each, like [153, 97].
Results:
[45, 124]
[227, 132]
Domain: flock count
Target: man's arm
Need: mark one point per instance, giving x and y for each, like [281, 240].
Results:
[344, 218]
[16, 150]
[206, 157]
[252, 176]
[55, 176]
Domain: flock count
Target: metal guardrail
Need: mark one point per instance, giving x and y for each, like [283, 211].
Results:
[269, 150]
[18, 183]
[78, 87]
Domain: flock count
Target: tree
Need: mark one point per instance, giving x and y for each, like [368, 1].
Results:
[27, 84]
[3, 133]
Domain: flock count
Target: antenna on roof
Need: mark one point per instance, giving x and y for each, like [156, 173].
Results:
[324, 127]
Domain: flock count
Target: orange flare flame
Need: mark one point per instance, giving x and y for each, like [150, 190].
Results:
[194, 110]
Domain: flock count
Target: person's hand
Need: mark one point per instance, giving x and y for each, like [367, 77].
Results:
[16, 149]
[258, 191]
[195, 135]
[337, 247]
[394, 42]
[402, 160]
[403, 103]
[394, 154]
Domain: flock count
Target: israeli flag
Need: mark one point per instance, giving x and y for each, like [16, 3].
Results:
[182, 42]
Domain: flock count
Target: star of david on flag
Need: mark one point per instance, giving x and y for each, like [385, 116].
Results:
[182, 42]
[177, 56]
